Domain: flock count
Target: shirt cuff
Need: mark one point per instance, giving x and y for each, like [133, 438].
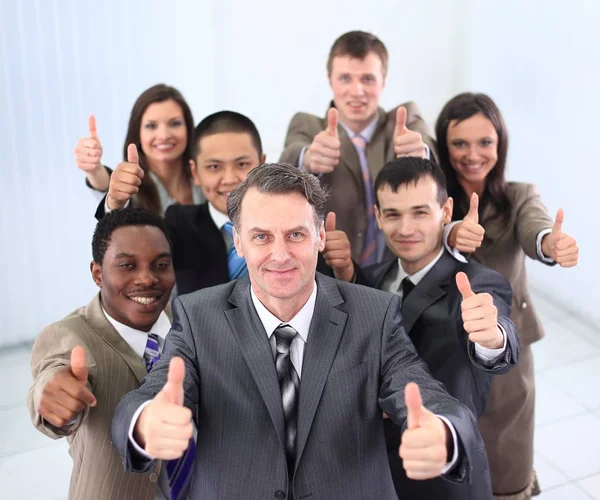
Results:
[107, 209]
[490, 356]
[453, 251]
[132, 441]
[450, 465]
[301, 163]
[427, 152]
[538, 246]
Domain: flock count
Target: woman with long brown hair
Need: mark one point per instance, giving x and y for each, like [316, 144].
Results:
[472, 145]
[161, 127]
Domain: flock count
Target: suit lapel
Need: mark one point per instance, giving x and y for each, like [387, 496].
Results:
[97, 320]
[326, 330]
[256, 349]
[429, 290]
[494, 228]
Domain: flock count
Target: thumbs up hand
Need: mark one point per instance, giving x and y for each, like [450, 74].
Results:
[88, 152]
[66, 394]
[323, 155]
[467, 236]
[424, 445]
[164, 427]
[337, 251]
[407, 142]
[125, 180]
[479, 315]
[559, 246]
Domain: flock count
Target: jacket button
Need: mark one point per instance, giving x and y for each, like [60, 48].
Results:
[360, 235]
[279, 494]
[524, 305]
[153, 477]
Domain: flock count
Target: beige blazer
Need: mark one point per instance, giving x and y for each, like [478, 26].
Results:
[507, 241]
[114, 369]
[345, 182]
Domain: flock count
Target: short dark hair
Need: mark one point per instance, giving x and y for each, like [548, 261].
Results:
[459, 108]
[279, 178]
[409, 169]
[123, 218]
[358, 44]
[226, 121]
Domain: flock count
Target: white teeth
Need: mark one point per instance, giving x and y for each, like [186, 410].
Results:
[143, 300]
[164, 146]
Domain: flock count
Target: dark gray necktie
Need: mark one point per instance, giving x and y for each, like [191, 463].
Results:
[407, 287]
[289, 383]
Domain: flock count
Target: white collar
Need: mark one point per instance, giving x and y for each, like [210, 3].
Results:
[219, 218]
[367, 132]
[137, 338]
[300, 322]
[419, 275]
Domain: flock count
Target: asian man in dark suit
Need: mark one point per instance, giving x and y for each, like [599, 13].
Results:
[227, 146]
[285, 375]
[455, 313]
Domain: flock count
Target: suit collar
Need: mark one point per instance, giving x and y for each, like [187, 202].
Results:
[377, 273]
[95, 317]
[430, 289]
[326, 329]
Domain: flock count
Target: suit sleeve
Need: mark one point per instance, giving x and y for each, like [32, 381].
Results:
[179, 342]
[300, 135]
[51, 353]
[400, 364]
[489, 281]
[532, 217]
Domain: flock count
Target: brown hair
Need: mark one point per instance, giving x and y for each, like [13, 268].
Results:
[358, 44]
[460, 108]
[147, 196]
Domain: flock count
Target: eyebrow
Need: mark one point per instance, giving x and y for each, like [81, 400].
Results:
[414, 207]
[217, 160]
[294, 229]
[125, 255]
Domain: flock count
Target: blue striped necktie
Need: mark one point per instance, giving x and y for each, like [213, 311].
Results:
[179, 471]
[236, 265]
[369, 252]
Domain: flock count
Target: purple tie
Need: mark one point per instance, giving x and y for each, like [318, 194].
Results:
[369, 252]
[179, 471]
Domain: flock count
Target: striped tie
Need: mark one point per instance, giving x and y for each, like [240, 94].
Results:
[179, 471]
[369, 252]
[151, 353]
[289, 383]
[236, 265]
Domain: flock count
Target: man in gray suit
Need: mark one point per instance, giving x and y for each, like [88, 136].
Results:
[455, 312]
[285, 375]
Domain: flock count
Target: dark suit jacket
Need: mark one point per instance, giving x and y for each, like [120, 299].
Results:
[347, 198]
[431, 316]
[356, 364]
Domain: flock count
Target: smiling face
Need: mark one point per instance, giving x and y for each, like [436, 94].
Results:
[280, 241]
[473, 150]
[412, 221]
[163, 134]
[357, 85]
[136, 276]
[223, 163]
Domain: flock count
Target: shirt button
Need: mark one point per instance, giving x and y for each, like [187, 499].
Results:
[279, 494]
[359, 235]
[524, 305]
[153, 477]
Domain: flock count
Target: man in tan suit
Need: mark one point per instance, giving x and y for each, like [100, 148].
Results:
[352, 144]
[83, 364]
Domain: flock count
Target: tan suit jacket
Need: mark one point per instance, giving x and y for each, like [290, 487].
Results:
[114, 369]
[507, 241]
[345, 182]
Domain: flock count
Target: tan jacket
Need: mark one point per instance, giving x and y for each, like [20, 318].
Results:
[114, 369]
[507, 242]
[345, 182]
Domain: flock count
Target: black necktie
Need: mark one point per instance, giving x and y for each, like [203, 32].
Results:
[289, 383]
[407, 287]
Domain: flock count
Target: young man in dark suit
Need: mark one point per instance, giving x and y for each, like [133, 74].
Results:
[227, 146]
[456, 314]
